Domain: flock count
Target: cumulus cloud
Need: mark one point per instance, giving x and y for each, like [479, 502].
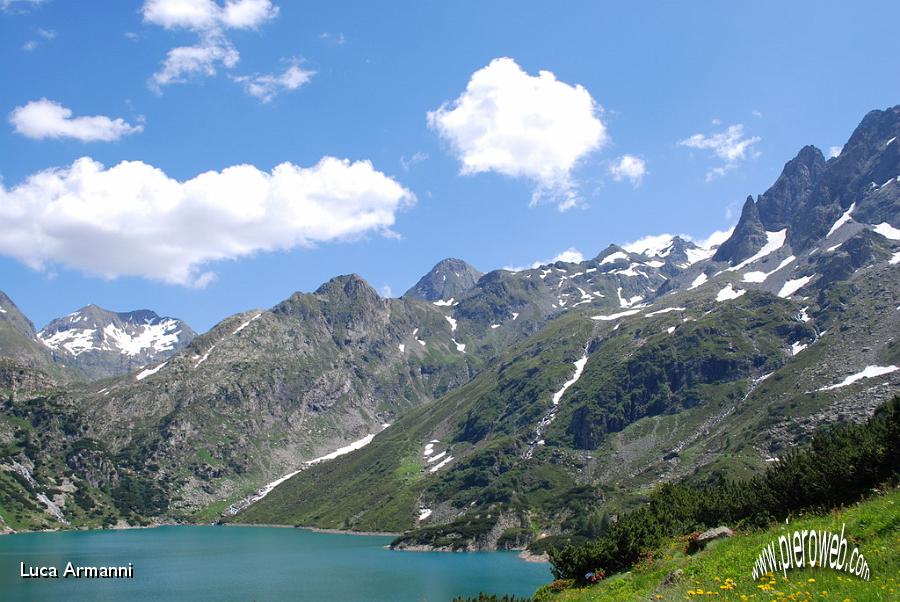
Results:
[520, 125]
[44, 118]
[266, 86]
[628, 167]
[134, 220]
[715, 239]
[204, 15]
[210, 20]
[570, 255]
[730, 145]
[651, 244]
[834, 151]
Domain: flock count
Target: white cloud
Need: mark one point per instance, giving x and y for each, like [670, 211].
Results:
[519, 125]
[18, 6]
[338, 38]
[134, 220]
[186, 62]
[210, 20]
[204, 15]
[630, 167]
[715, 239]
[651, 244]
[417, 157]
[266, 85]
[834, 151]
[731, 146]
[656, 243]
[44, 34]
[570, 255]
[44, 118]
[386, 291]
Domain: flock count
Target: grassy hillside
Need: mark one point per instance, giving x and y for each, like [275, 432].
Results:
[665, 396]
[723, 569]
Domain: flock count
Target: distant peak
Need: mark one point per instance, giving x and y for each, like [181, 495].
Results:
[449, 278]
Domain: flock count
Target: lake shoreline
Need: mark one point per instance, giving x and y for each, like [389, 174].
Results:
[318, 529]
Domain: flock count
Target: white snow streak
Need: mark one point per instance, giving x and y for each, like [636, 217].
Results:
[774, 241]
[621, 314]
[792, 286]
[246, 324]
[579, 368]
[150, 371]
[728, 293]
[888, 231]
[664, 311]
[442, 464]
[867, 372]
[842, 220]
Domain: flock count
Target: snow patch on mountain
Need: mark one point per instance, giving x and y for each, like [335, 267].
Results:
[579, 368]
[759, 277]
[664, 311]
[867, 372]
[842, 220]
[728, 293]
[74, 341]
[888, 231]
[774, 241]
[246, 324]
[613, 257]
[621, 314]
[792, 286]
[150, 371]
[441, 464]
[699, 280]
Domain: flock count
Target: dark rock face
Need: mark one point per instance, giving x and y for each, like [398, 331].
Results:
[18, 338]
[16, 376]
[778, 204]
[749, 236]
[101, 343]
[449, 279]
[811, 193]
[862, 249]
[870, 158]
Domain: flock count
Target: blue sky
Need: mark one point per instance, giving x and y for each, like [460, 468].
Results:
[296, 82]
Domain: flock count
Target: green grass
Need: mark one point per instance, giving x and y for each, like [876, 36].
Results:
[722, 571]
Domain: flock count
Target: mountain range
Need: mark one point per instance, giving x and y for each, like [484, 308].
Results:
[506, 409]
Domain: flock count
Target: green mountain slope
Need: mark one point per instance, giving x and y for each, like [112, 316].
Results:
[723, 569]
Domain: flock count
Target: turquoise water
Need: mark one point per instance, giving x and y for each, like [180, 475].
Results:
[250, 563]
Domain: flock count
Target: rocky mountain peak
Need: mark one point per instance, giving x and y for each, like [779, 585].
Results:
[449, 278]
[748, 237]
[102, 343]
[780, 203]
[348, 286]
